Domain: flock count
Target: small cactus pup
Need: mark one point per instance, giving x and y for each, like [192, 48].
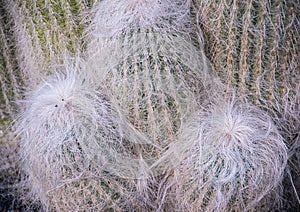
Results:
[230, 157]
[152, 66]
[72, 139]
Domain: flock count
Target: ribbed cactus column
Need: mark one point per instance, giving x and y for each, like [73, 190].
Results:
[155, 72]
[145, 54]
[45, 32]
[254, 47]
[11, 79]
[224, 154]
[34, 36]
[11, 89]
[70, 139]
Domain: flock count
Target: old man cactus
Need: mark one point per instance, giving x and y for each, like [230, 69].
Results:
[201, 90]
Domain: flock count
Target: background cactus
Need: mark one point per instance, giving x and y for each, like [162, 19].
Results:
[253, 46]
[45, 31]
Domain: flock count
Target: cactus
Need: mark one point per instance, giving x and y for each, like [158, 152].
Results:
[254, 48]
[149, 61]
[45, 31]
[150, 57]
[154, 69]
[222, 157]
[30, 43]
[11, 88]
[70, 139]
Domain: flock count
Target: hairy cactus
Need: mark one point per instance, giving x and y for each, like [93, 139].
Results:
[254, 47]
[73, 144]
[44, 32]
[11, 81]
[34, 36]
[11, 88]
[145, 65]
[228, 157]
[155, 71]
[144, 51]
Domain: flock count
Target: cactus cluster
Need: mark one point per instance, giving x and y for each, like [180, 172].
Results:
[149, 105]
